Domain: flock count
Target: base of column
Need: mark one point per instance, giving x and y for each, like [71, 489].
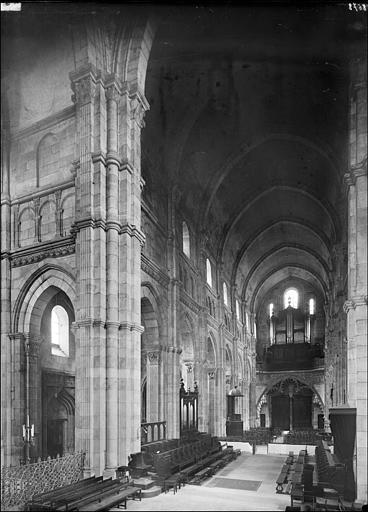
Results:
[87, 473]
[109, 472]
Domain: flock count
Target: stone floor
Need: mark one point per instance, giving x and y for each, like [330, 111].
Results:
[246, 470]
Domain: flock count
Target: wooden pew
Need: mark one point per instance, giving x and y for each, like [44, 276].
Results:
[116, 499]
[74, 501]
[45, 500]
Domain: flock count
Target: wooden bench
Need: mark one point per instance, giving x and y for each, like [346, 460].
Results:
[46, 498]
[76, 500]
[202, 474]
[281, 479]
[114, 500]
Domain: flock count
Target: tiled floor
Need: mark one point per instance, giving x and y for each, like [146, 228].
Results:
[262, 467]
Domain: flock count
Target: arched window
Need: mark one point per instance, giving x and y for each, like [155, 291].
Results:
[291, 298]
[59, 332]
[186, 240]
[312, 306]
[270, 309]
[237, 310]
[247, 321]
[209, 272]
[224, 289]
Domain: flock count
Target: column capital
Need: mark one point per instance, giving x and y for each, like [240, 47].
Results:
[154, 357]
[112, 91]
[84, 81]
[138, 107]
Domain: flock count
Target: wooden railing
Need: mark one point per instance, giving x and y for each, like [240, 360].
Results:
[153, 431]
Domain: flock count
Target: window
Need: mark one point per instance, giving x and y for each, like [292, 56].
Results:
[186, 240]
[59, 332]
[291, 298]
[209, 272]
[247, 321]
[224, 288]
[312, 306]
[237, 308]
[270, 309]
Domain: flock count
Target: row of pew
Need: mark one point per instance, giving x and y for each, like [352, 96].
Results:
[92, 494]
[194, 470]
[321, 484]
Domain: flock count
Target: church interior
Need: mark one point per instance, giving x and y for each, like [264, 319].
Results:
[184, 234]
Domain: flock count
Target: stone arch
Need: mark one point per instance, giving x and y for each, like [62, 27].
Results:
[150, 316]
[228, 366]
[46, 276]
[245, 149]
[47, 220]
[211, 351]
[188, 350]
[26, 228]
[59, 424]
[151, 367]
[280, 385]
[67, 214]
[132, 53]
[47, 158]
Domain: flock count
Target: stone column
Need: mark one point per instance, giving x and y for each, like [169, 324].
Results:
[112, 277]
[211, 387]
[91, 303]
[35, 387]
[5, 324]
[356, 304]
[17, 395]
[132, 107]
[173, 316]
[153, 385]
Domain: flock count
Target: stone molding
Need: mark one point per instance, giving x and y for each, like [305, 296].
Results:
[188, 301]
[360, 300]
[41, 193]
[129, 229]
[91, 322]
[46, 123]
[355, 172]
[50, 249]
[154, 271]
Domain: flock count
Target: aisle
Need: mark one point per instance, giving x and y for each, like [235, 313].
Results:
[247, 484]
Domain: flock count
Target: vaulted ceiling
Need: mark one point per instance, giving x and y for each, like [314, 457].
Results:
[248, 120]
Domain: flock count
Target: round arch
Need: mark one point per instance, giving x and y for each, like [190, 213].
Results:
[49, 275]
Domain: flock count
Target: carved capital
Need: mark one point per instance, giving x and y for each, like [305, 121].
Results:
[84, 90]
[112, 93]
[211, 374]
[154, 357]
[138, 107]
[189, 367]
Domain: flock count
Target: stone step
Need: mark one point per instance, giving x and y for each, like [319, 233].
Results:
[144, 483]
[151, 492]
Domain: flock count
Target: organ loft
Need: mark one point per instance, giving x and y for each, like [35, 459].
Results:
[183, 238]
